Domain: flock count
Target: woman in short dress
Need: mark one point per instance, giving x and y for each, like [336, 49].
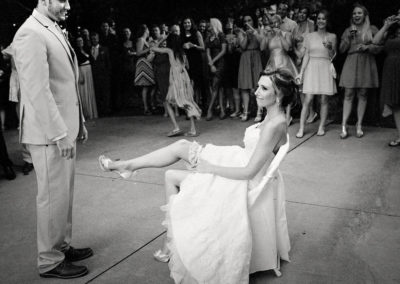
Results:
[128, 63]
[279, 43]
[216, 49]
[389, 35]
[232, 62]
[86, 86]
[144, 74]
[304, 27]
[250, 65]
[359, 73]
[316, 71]
[193, 45]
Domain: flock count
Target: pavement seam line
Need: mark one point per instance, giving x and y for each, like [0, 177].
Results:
[126, 257]
[344, 208]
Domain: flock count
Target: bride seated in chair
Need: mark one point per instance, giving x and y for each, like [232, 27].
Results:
[223, 220]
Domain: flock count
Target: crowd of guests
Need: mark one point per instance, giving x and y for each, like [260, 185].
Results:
[223, 60]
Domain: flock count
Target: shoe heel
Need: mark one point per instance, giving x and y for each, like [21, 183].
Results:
[126, 174]
[344, 133]
[359, 132]
[160, 256]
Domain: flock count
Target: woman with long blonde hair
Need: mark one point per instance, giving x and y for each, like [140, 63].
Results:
[359, 72]
[216, 49]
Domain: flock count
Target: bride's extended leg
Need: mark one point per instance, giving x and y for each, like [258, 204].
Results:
[160, 158]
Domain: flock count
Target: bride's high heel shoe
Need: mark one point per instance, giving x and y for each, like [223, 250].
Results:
[160, 256]
[104, 165]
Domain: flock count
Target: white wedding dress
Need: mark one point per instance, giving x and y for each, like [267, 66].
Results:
[221, 230]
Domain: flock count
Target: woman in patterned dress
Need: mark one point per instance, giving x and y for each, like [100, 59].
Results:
[144, 74]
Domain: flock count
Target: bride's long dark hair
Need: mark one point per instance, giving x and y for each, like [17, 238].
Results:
[174, 42]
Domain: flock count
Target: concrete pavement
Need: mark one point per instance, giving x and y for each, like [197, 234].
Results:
[343, 206]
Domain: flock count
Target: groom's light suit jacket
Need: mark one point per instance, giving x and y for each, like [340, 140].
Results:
[50, 102]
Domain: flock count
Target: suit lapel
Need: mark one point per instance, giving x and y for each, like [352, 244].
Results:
[68, 48]
[63, 41]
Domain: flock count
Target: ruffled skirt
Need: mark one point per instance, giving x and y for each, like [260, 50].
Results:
[180, 91]
[213, 235]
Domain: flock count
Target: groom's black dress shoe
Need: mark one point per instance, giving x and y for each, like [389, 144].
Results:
[26, 168]
[66, 270]
[73, 254]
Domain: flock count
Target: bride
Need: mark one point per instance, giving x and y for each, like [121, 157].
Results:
[223, 220]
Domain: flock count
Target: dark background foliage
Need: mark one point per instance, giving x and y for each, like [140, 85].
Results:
[129, 13]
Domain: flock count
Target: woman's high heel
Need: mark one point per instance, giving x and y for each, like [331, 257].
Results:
[344, 133]
[160, 256]
[235, 114]
[359, 132]
[300, 134]
[104, 165]
[245, 116]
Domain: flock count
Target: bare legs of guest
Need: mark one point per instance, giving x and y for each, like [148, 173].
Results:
[245, 93]
[312, 114]
[347, 107]
[396, 116]
[236, 102]
[145, 92]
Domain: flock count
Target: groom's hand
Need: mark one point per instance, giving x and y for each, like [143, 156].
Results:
[66, 147]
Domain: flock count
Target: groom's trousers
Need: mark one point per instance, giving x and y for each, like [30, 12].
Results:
[55, 181]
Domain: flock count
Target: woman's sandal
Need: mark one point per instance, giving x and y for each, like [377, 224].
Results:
[312, 119]
[245, 116]
[321, 132]
[235, 114]
[175, 132]
[359, 132]
[300, 134]
[394, 143]
[103, 163]
[344, 133]
[160, 256]
[191, 134]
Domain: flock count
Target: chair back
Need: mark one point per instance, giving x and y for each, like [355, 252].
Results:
[269, 174]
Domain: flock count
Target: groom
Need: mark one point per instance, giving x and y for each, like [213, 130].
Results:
[50, 123]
